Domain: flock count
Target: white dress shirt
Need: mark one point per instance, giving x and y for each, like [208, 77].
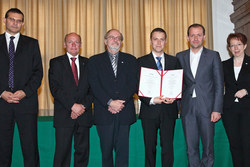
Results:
[194, 62]
[15, 40]
[163, 67]
[76, 62]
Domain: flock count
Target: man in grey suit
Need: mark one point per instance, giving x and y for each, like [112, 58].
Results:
[202, 99]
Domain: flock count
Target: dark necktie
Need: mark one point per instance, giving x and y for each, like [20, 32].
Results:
[114, 64]
[159, 66]
[11, 68]
[74, 70]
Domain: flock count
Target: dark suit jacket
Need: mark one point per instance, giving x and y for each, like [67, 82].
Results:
[106, 86]
[232, 86]
[208, 83]
[153, 111]
[28, 73]
[66, 92]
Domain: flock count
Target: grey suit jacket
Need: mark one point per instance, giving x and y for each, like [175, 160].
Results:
[208, 83]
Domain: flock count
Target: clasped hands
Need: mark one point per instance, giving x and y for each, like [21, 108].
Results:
[13, 97]
[77, 110]
[116, 106]
[161, 99]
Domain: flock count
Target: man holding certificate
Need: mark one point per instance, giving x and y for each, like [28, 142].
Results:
[158, 112]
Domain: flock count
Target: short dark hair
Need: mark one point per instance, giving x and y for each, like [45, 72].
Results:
[195, 25]
[158, 30]
[14, 10]
[239, 36]
[107, 33]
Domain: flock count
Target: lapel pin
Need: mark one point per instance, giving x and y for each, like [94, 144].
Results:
[122, 62]
[246, 63]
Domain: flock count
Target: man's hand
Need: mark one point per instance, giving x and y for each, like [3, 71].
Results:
[116, 106]
[241, 93]
[18, 95]
[8, 96]
[215, 116]
[77, 110]
[158, 100]
[168, 100]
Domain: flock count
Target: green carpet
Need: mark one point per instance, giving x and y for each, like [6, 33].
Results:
[46, 142]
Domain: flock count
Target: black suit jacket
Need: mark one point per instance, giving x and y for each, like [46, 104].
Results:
[66, 92]
[106, 86]
[153, 111]
[28, 73]
[232, 86]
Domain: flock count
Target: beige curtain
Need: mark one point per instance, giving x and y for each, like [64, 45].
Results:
[50, 20]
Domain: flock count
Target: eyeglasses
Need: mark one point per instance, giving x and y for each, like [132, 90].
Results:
[238, 45]
[119, 38]
[14, 20]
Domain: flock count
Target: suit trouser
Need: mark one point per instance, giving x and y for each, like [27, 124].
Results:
[237, 125]
[114, 136]
[150, 132]
[27, 127]
[196, 126]
[63, 149]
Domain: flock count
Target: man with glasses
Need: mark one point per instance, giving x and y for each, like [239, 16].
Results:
[21, 74]
[112, 77]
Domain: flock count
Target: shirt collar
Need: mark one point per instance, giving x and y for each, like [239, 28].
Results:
[198, 53]
[162, 55]
[8, 35]
[70, 56]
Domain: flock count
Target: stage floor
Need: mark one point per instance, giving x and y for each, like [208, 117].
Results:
[46, 142]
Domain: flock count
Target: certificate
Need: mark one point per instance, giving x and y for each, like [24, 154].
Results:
[154, 83]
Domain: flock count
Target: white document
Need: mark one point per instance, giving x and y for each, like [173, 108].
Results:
[154, 83]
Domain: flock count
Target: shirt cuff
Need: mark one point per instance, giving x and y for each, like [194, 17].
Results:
[152, 101]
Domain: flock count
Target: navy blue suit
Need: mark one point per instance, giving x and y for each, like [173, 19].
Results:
[106, 86]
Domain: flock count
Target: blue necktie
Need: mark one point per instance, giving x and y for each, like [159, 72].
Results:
[159, 66]
[11, 68]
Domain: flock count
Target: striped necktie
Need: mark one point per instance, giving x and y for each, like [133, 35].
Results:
[159, 66]
[114, 63]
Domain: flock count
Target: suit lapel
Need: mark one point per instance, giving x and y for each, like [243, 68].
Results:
[231, 70]
[151, 61]
[81, 68]
[120, 64]
[20, 44]
[106, 62]
[202, 62]
[3, 45]
[187, 62]
[244, 68]
[67, 67]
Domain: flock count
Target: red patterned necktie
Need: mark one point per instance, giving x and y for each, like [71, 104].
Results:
[74, 70]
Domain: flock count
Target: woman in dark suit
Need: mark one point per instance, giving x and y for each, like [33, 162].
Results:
[236, 116]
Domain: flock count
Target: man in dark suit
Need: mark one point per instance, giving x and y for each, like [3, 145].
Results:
[202, 99]
[112, 77]
[158, 112]
[72, 104]
[21, 74]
